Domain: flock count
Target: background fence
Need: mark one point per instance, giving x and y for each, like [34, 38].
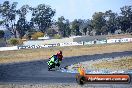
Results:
[121, 40]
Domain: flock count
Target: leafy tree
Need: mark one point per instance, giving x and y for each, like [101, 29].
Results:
[51, 32]
[2, 34]
[64, 27]
[82, 26]
[90, 28]
[98, 22]
[85, 26]
[22, 12]
[104, 30]
[76, 27]
[22, 25]
[61, 26]
[111, 21]
[42, 17]
[67, 28]
[85, 30]
[125, 19]
[8, 15]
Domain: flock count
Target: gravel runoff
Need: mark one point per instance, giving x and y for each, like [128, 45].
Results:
[88, 65]
[66, 85]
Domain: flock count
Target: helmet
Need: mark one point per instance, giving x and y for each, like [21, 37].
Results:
[59, 53]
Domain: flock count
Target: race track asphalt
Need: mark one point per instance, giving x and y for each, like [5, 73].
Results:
[36, 71]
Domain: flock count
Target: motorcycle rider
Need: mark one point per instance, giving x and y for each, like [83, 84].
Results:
[59, 55]
[56, 58]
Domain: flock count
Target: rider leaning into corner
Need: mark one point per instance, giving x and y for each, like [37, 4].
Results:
[59, 55]
[57, 58]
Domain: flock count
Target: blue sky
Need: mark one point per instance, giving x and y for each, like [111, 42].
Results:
[77, 9]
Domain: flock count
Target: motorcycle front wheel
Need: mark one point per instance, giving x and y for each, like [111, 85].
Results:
[51, 66]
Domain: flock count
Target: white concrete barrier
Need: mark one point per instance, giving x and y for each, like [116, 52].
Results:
[8, 48]
[101, 42]
[119, 40]
[126, 40]
[71, 44]
[113, 40]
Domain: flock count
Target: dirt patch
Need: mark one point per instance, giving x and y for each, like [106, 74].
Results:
[44, 53]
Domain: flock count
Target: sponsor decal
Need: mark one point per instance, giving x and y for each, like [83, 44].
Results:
[83, 78]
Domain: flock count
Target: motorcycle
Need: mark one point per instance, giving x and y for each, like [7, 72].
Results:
[52, 63]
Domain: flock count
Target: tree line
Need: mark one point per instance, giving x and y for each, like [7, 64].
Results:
[102, 23]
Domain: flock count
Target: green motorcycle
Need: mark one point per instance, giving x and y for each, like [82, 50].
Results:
[53, 62]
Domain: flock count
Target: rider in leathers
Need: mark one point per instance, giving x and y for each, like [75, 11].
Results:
[56, 59]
